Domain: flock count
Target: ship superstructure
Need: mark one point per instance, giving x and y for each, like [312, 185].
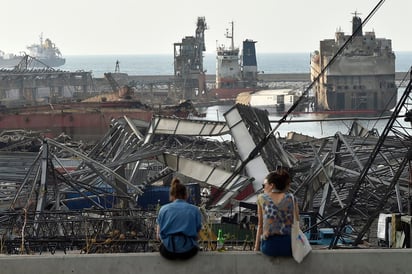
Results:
[46, 53]
[235, 73]
[361, 78]
[228, 73]
[249, 63]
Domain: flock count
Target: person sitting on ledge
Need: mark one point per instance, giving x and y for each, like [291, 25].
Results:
[275, 215]
[178, 225]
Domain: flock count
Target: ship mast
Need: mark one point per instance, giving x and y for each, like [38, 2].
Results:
[231, 35]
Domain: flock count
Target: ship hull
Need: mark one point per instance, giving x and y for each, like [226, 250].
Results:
[10, 62]
[81, 121]
[360, 78]
[84, 125]
[49, 62]
[38, 62]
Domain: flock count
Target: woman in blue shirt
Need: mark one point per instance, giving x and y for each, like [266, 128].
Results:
[178, 225]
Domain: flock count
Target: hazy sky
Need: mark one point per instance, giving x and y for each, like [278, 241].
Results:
[152, 26]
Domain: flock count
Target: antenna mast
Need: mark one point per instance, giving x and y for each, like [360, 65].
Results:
[231, 35]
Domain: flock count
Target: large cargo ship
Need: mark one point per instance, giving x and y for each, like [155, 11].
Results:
[44, 54]
[361, 78]
[235, 73]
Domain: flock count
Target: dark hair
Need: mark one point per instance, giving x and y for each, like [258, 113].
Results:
[280, 178]
[177, 189]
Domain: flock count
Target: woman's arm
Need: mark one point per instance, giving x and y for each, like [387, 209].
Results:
[259, 228]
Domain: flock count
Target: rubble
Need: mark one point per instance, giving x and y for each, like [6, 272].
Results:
[347, 178]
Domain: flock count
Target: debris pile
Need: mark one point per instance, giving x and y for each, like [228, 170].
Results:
[348, 178]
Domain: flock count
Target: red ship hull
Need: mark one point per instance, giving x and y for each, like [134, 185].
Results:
[81, 121]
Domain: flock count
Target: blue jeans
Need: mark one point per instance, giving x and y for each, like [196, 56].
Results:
[277, 245]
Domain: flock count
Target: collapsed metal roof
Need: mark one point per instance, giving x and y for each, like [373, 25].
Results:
[348, 177]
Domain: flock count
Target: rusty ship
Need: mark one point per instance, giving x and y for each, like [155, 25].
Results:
[361, 78]
[86, 121]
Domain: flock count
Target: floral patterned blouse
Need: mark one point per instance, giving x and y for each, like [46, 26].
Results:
[277, 218]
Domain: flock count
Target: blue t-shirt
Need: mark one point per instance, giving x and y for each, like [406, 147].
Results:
[180, 223]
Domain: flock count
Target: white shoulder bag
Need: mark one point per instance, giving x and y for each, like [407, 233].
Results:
[300, 244]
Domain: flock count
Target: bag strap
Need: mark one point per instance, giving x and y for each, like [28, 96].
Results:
[295, 216]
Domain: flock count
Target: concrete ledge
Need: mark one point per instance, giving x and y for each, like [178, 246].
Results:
[319, 261]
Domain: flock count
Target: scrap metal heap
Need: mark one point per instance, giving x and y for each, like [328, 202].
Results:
[344, 179]
[28, 86]
[107, 176]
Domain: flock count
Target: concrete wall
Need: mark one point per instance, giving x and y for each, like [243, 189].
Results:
[319, 261]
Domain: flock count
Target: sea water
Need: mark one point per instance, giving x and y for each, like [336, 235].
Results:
[162, 64]
[315, 124]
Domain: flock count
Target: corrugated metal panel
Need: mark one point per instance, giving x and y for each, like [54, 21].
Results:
[255, 168]
[176, 126]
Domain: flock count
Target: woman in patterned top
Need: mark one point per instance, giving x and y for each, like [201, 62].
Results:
[275, 215]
